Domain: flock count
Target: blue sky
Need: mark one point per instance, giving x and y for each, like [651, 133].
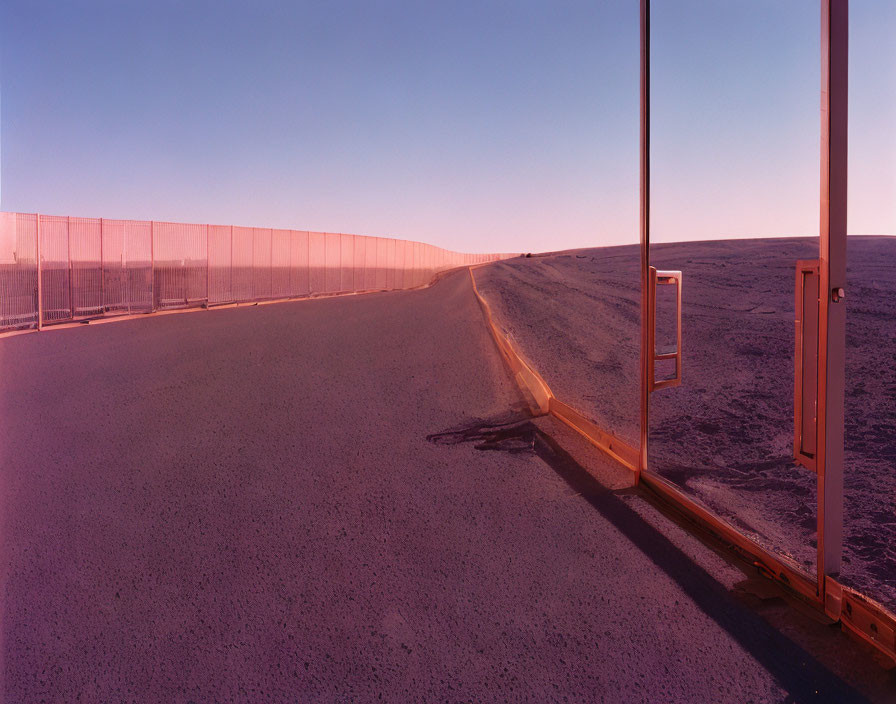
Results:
[477, 126]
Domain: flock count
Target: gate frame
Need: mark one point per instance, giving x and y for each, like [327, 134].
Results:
[876, 624]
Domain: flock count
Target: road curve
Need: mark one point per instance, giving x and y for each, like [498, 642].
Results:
[242, 505]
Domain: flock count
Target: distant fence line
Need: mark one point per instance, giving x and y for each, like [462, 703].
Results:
[57, 268]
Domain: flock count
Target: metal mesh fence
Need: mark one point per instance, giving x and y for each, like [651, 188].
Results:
[58, 268]
[18, 270]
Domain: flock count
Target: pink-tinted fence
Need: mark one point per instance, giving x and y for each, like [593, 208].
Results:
[57, 268]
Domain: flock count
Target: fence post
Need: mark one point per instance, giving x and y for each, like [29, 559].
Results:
[646, 353]
[124, 266]
[832, 313]
[68, 239]
[102, 268]
[40, 283]
[186, 280]
[152, 266]
[232, 297]
[207, 268]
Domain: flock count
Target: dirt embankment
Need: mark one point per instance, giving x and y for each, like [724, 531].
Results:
[726, 433]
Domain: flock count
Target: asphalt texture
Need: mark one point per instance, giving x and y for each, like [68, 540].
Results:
[297, 502]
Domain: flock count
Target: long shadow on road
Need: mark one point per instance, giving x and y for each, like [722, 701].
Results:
[797, 671]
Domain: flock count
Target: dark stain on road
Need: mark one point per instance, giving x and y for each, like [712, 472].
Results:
[510, 434]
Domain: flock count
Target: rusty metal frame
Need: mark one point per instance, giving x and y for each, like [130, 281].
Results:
[663, 278]
[832, 281]
[832, 275]
[805, 444]
[646, 356]
[860, 616]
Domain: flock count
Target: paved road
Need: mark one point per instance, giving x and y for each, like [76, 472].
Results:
[242, 505]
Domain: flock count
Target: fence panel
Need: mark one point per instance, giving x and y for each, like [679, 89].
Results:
[220, 264]
[317, 261]
[299, 262]
[333, 275]
[421, 274]
[410, 275]
[196, 263]
[243, 253]
[281, 256]
[413, 278]
[86, 252]
[390, 264]
[370, 261]
[382, 262]
[18, 270]
[261, 262]
[55, 269]
[138, 250]
[347, 262]
[358, 259]
[168, 280]
[400, 263]
[180, 275]
[115, 273]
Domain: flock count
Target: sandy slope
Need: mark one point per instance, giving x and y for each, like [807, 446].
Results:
[243, 505]
[726, 434]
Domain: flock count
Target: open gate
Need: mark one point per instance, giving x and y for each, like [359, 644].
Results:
[814, 442]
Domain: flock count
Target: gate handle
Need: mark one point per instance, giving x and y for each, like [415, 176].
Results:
[661, 278]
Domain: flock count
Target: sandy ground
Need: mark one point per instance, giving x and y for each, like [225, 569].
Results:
[726, 434]
[286, 503]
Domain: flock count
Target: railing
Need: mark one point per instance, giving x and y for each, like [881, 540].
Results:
[57, 269]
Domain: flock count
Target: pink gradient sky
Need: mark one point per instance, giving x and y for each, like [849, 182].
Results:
[476, 126]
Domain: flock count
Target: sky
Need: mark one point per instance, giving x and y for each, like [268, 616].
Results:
[485, 125]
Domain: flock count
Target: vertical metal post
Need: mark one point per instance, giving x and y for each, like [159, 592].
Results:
[71, 297]
[232, 297]
[40, 283]
[102, 268]
[646, 353]
[152, 266]
[124, 266]
[207, 269]
[832, 272]
[184, 279]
